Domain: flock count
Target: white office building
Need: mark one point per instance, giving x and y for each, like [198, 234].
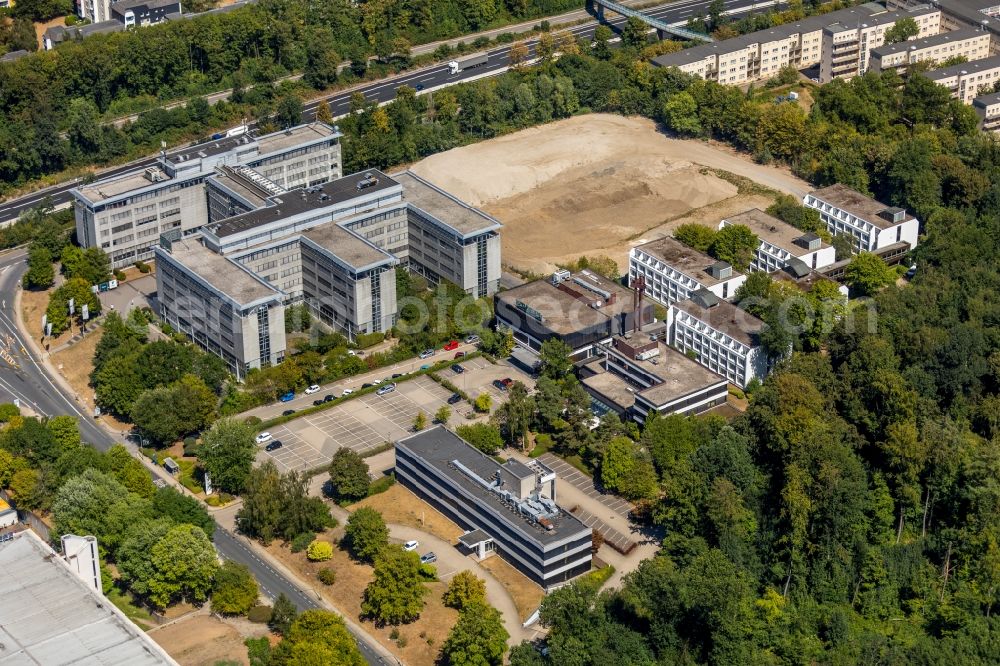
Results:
[781, 243]
[872, 225]
[673, 271]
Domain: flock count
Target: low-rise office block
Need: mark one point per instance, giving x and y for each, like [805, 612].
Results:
[782, 244]
[871, 225]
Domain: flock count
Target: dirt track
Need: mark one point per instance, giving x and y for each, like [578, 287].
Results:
[595, 184]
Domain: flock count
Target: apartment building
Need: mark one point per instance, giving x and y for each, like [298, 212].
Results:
[672, 271]
[223, 307]
[957, 14]
[144, 12]
[968, 80]
[872, 225]
[782, 244]
[582, 309]
[124, 215]
[969, 43]
[720, 336]
[508, 508]
[635, 374]
[987, 107]
[847, 45]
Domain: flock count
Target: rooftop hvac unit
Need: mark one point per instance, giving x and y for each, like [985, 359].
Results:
[368, 181]
[154, 175]
[560, 275]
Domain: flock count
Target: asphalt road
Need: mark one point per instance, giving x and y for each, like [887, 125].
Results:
[424, 79]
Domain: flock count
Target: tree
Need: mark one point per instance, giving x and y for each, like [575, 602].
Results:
[602, 36]
[90, 264]
[419, 421]
[483, 403]
[185, 564]
[96, 503]
[625, 470]
[366, 534]
[130, 471]
[260, 515]
[555, 358]
[289, 111]
[24, 486]
[515, 415]
[235, 590]
[867, 274]
[680, 113]
[634, 33]
[134, 557]
[322, 62]
[483, 436]
[349, 478]
[519, 54]
[902, 30]
[735, 244]
[443, 414]
[323, 113]
[40, 273]
[319, 551]
[283, 614]
[227, 454]
[698, 236]
[395, 594]
[317, 637]
[169, 503]
[464, 590]
[477, 639]
[77, 290]
[65, 430]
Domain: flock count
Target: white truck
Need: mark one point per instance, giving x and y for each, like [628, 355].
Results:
[456, 66]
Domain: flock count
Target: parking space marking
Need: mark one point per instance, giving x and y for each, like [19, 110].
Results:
[585, 484]
[612, 537]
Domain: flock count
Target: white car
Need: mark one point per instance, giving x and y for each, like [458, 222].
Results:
[411, 545]
[312, 389]
[263, 437]
[347, 392]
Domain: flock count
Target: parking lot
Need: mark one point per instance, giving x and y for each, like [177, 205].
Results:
[371, 420]
[585, 484]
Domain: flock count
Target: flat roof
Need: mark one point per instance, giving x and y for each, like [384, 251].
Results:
[987, 100]
[440, 447]
[226, 276]
[302, 200]
[233, 181]
[293, 136]
[857, 204]
[609, 385]
[680, 375]
[964, 68]
[209, 148]
[346, 246]
[686, 259]
[48, 615]
[563, 313]
[928, 42]
[450, 210]
[99, 190]
[806, 282]
[774, 231]
[725, 317]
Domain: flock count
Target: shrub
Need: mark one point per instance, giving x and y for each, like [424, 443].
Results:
[319, 551]
[483, 403]
[253, 420]
[381, 485]
[259, 614]
[120, 276]
[142, 266]
[327, 576]
[191, 447]
[213, 500]
[428, 572]
[302, 541]
[366, 340]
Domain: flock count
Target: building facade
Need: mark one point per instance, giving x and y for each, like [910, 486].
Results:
[968, 43]
[987, 107]
[870, 224]
[125, 215]
[781, 243]
[509, 509]
[673, 271]
[144, 12]
[847, 45]
[968, 80]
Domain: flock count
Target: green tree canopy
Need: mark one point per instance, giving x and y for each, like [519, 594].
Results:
[234, 590]
[395, 594]
[465, 589]
[227, 454]
[348, 475]
[477, 639]
[366, 534]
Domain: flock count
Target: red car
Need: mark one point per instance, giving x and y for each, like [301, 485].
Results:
[452, 345]
[459, 354]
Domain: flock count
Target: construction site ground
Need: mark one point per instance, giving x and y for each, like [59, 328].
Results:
[598, 184]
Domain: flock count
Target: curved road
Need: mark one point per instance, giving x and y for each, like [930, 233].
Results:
[436, 76]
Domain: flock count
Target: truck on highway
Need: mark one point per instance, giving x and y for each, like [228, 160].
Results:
[456, 66]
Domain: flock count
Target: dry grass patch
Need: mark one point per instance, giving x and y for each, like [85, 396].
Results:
[75, 363]
[526, 593]
[201, 640]
[422, 639]
[33, 306]
[401, 506]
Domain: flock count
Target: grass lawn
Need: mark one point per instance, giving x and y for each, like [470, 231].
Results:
[187, 475]
[124, 603]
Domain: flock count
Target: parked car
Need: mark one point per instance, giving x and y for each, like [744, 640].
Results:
[457, 369]
[506, 381]
[329, 397]
[347, 392]
[317, 403]
[459, 354]
[451, 346]
[263, 437]
[388, 388]
[312, 389]
[499, 385]
[288, 397]
[454, 399]
[367, 385]
[427, 353]
[411, 545]
[288, 412]
[425, 367]
[472, 339]
[274, 446]
[397, 375]
[428, 558]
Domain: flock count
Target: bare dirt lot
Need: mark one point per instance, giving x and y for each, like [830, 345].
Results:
[203, 640]
[596, 184]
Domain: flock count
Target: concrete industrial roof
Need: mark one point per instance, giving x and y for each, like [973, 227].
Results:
[686, 259]
[454, 213]
[859, 205]
[964, 68]
[609, 385]
[50, 616]
[680, 376]
[927, 42]
[771, 229]
[562, 313]
[346, 246]
[224, 275]
[99, 190]
[439, 446]
[293, 136]
[726, 318]
[233, 181]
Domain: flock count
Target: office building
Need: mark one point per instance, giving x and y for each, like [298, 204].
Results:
[50, 615]
[987, 107]
[581, 309]
[672, 271]
[144, 12]
[872, 225]
[124, 215]
[509, 509]
[634, 375]
[720, 336]
[782, 244]
[968, 43]
[968, 80]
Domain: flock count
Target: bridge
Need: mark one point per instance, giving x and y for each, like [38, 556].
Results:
[598, 6]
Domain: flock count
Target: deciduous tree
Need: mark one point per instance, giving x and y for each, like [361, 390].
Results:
[395, 594]
[366, 534]
[349, 478]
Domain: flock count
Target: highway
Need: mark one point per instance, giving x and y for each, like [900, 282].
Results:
[426, 79]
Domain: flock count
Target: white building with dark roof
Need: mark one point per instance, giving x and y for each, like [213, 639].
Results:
[871, 224]
[673, 271]
[781, 243]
